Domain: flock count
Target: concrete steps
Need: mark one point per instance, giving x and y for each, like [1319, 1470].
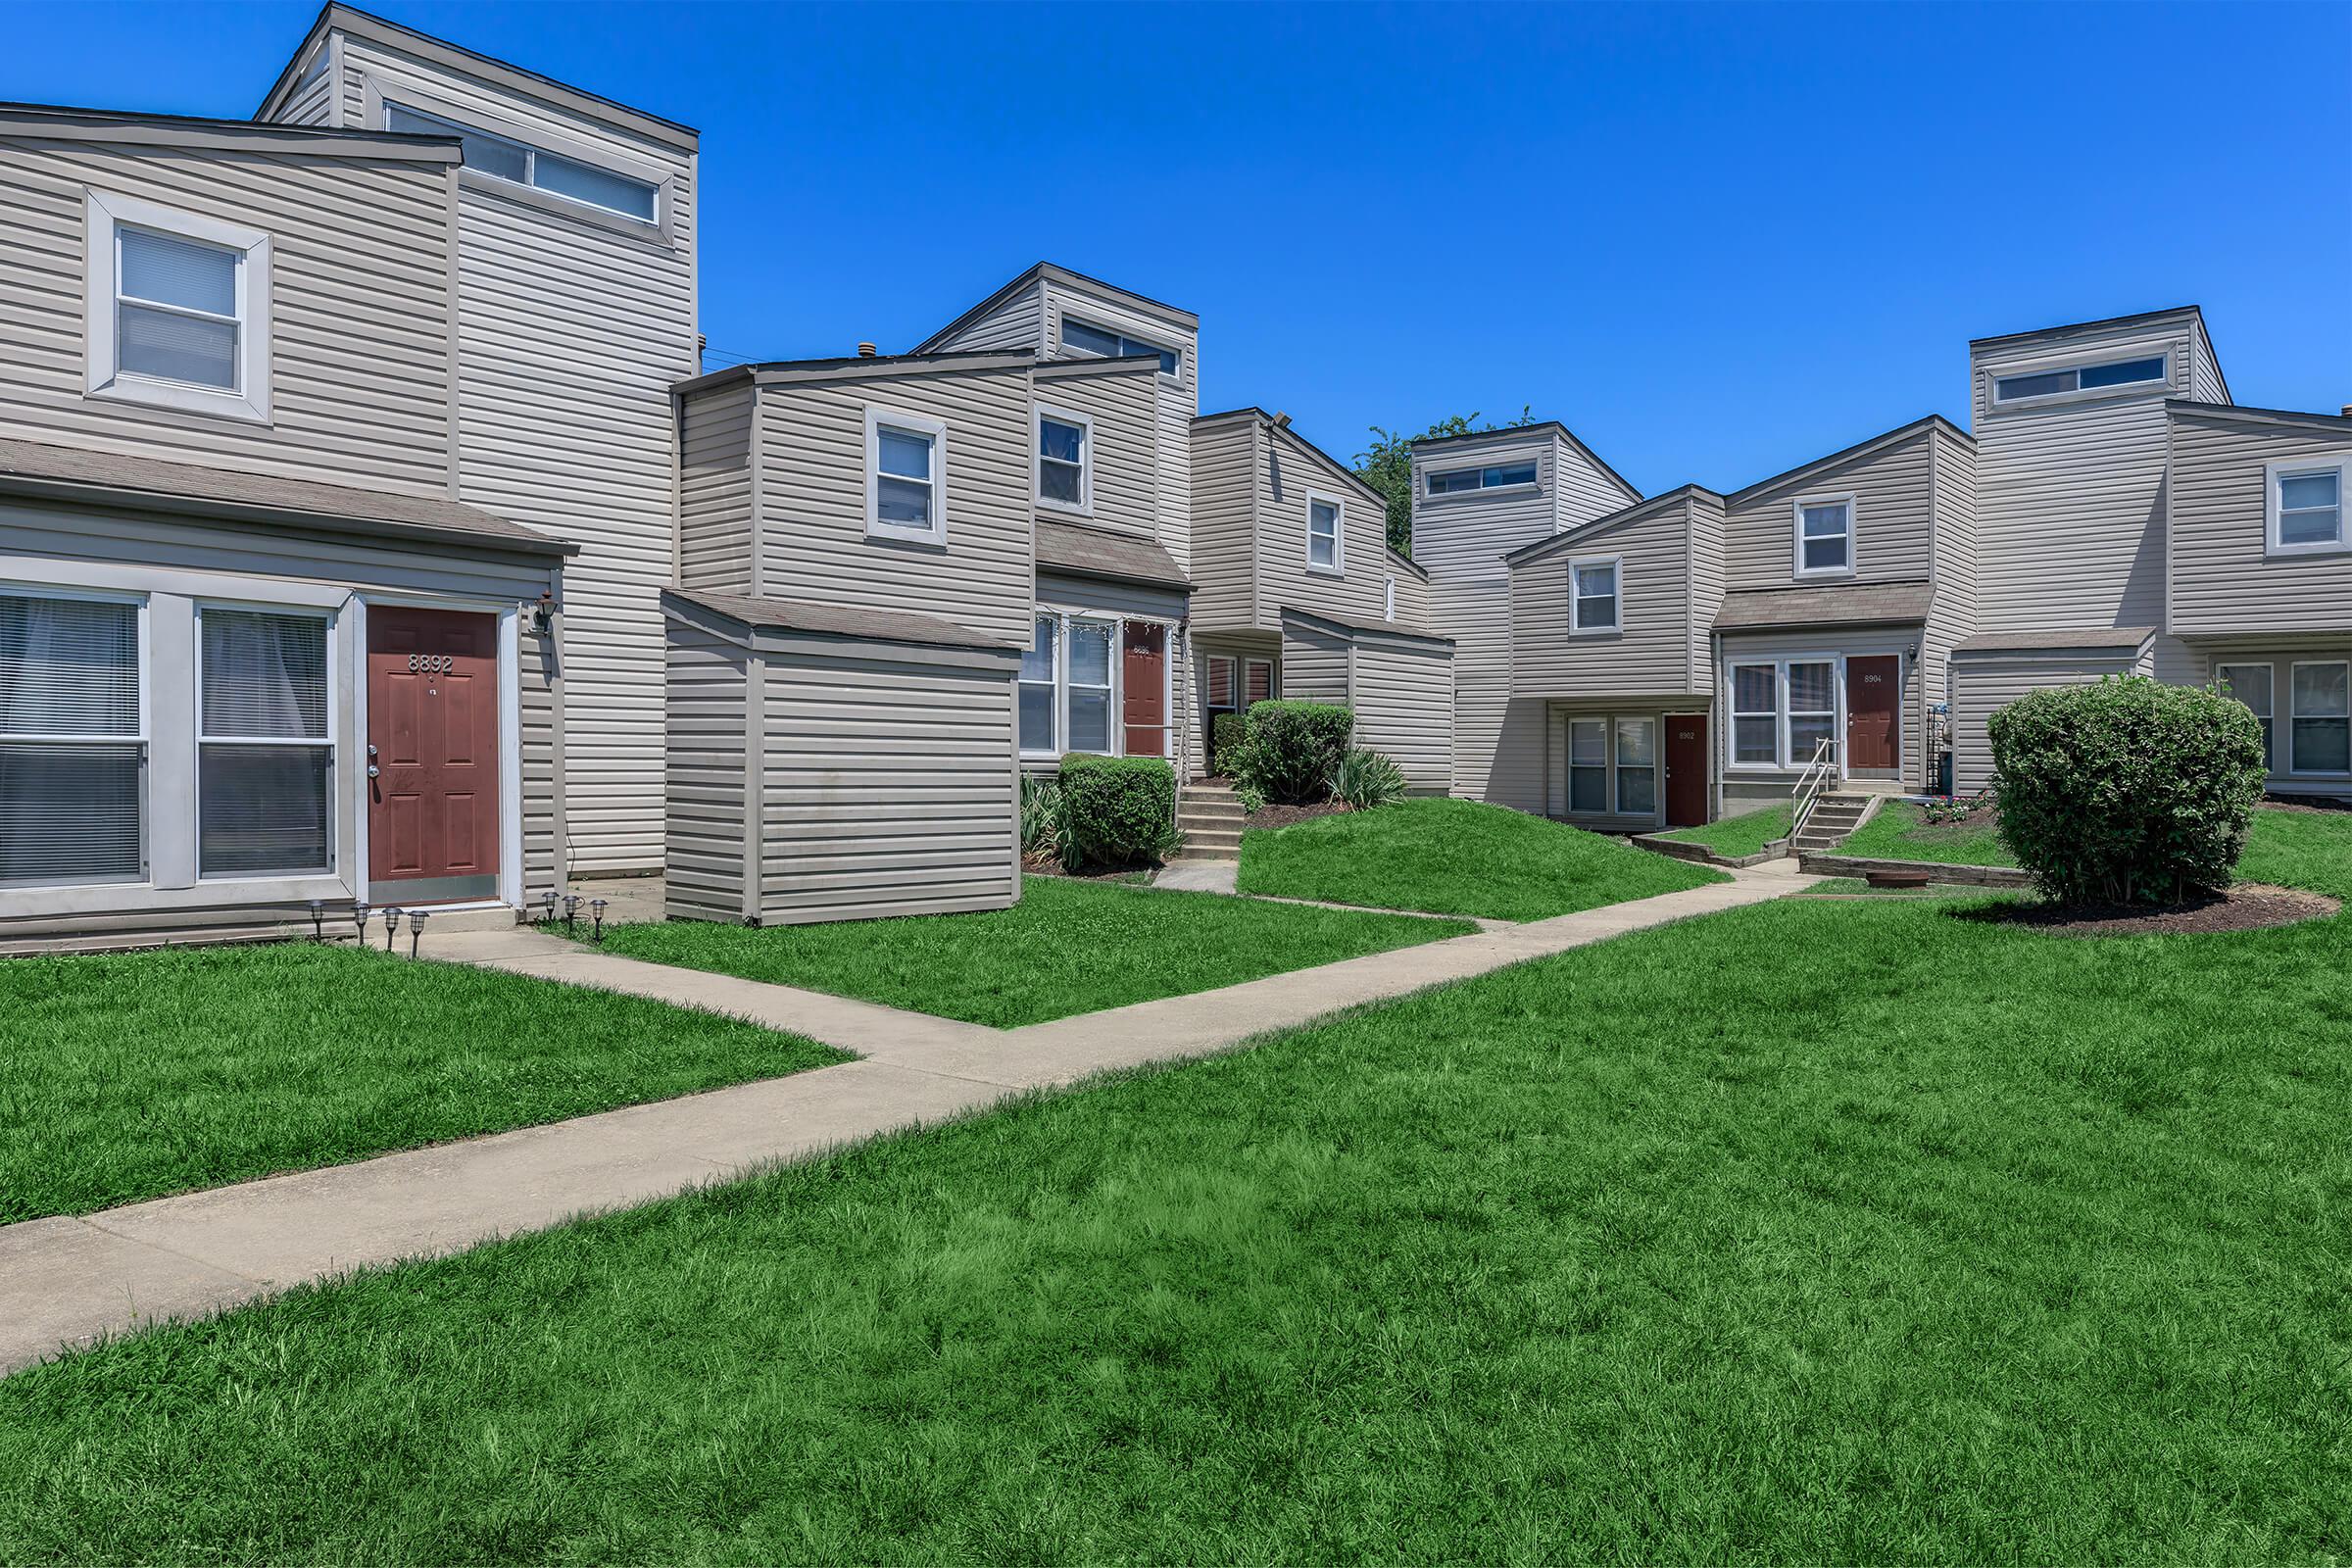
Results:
[1837, 814]
[1210, 817]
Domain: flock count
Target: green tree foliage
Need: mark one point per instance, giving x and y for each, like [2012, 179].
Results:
[1387, 466]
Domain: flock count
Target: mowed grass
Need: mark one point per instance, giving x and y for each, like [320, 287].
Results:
[1900, 831]
[1068, 947]
[1811, 1232]
[1745, 834]
[1456, 857]
[130, 1076]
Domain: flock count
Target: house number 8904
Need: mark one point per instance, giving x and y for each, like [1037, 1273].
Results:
[432, 663]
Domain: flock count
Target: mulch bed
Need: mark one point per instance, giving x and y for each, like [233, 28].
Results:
[2248, 906]
[1046, 865]
[2309, 804]
[1287, 816]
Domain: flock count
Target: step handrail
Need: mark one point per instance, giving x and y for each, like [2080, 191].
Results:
[1812, 784]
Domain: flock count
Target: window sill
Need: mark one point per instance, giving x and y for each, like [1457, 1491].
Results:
[1484, 490]
[1818, 573]
[532, 196]
[2278, 552]
[185, 399]
[1597, 631]
[1066, 509]
[935, 538]
[1326, 572]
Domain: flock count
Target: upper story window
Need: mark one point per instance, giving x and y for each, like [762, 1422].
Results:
[1593, 595]
[1088, 338]
[2081, 378]
[1326, 545]
[1494, 476]
[1065, 461]
[905, 484]
[73, 740]
[526, 165]
[1825, 537]
[2304, 506]
[177, 311]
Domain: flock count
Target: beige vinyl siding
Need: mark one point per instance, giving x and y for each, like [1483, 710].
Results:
[1952, 613]
[1707, 588]
[2069, 494]
[1224, 522]
[2205, 383]
[1890, 490]
[715, 490]
[358, 290]
[1825, 643]
[571, 335]
[1291, 472]
[314, 102]
[542, 716]
[813, 490]
[1413, 597]
[887, 787]
[1650, 656]
[1179, 395]
[1315, 665]
[1123, 410]
[1404, 698]
[2222, 580]
[1018, 321]
[704, 775]
[1985, 683]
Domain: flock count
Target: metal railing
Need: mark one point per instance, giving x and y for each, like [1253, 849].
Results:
[1811, 785]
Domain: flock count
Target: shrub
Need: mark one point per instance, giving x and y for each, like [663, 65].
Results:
[1291, 749]
[1045, 817]
[1365, 780]
[1120, 811]
[1227, 733]
[2130, 791]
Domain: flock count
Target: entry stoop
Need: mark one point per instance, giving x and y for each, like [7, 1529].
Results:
[1210, 816]
[1835, 815]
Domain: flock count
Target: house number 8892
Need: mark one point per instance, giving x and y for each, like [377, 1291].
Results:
[432, 663]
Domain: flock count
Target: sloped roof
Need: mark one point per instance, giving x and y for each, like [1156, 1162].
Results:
[1864, 604]
[2127, 639]
[1371, 629]
[76, 473]
[839, 621]
[1085, 552]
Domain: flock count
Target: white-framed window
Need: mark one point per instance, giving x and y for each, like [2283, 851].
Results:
[2138, 371]
[1257, 681]
[2320, 727]
[265, 748]
[506, 157]
[1089, 337]
[1812, 688]
[1825, 536]
[72, 738]
[1636, 767]
[1593, 595]
[1589, 766]
[905, 476]
[2256, 686]
[1387, 599]
[1065, 461]
[1487, 476]
[1326, 534]
[178, 309]
[1218, 680]
[2303, 508]
[1756, 716]
[1068, 685]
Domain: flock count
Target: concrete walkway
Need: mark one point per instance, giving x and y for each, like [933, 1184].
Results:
[67, 1282]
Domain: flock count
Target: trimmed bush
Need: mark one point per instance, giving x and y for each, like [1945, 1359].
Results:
[1117, 811]
[1227, 734]
[1291, 749]
[2127, 792]
[1365, 779]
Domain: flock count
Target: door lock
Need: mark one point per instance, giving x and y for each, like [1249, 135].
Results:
[374, 770]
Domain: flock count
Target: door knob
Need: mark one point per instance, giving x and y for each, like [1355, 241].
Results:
[374, 770]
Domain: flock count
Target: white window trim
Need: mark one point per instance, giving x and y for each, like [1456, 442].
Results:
[2161, 350]
[104, 215]
[373, 110]
[1039, 414]
[1731, 671]
[1522, 487]
[1853, 533]
[144, 738]
[1233, 683]
[921, 424]
[1576, 609]
[1273, 682]
[330, 742]
[2271, 509]
[1339, 534]
[1116, 729]
[2295, 763]
[1110, 322]
[1054, 684]
[1387, 599]
[2270, 716]
[1783, 709]
[1613, 802]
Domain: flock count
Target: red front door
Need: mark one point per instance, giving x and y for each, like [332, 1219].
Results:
[1874, 707]
[432, 755]
[1686, 769]
[1145, 674]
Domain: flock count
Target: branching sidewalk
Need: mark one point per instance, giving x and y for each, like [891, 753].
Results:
[66, 1282]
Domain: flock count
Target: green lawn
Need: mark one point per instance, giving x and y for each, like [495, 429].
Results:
[130, 1076]
[1900, 831]
[1812, 1232]
[1067, 946]
[1456, 857]
[1745, 834]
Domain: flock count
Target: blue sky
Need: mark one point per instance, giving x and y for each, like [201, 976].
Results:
[1717, 241]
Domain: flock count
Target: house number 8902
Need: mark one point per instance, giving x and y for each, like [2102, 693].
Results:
[432, 663]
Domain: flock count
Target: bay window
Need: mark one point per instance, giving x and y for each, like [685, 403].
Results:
[73, 740]
[2252, 685]
[265, 759]
[2319, 736]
